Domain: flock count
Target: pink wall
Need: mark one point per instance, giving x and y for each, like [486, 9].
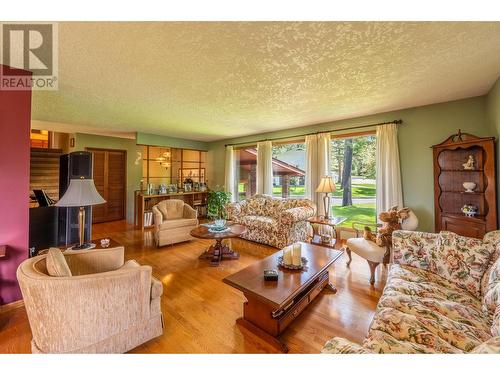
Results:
[15, 117]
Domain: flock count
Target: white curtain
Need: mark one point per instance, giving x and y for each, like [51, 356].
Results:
[229, 178]
[389, 191]
[265, 168]
[317, 166]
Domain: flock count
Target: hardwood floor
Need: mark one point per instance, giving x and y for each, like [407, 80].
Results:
[200, 311]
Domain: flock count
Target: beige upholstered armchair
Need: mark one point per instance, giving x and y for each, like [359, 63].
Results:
[100, 305]
[173, 220]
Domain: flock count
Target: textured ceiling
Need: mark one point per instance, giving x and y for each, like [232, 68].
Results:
[213, 80]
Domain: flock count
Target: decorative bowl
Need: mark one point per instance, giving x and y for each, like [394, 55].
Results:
[220, 223]
[469, 187]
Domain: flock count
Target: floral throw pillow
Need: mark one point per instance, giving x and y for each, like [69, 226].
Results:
[462, 260]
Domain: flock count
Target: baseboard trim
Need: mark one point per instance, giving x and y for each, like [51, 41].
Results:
[11, 306]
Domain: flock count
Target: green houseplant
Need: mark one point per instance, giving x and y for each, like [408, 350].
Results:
[217, 200]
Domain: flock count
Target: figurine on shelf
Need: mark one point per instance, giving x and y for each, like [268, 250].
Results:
[469, 165]
[469, 210]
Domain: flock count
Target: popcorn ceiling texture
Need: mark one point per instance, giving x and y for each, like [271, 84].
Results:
[215, 80]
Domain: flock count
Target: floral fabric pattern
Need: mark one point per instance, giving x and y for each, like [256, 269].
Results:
[339, 345]
[432, 299]
[492, 346]
[273, 221]
[486, 277]
[413, 248]
[462, 260]
[491, 299]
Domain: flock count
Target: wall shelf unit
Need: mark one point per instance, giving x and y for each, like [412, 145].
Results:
[450, 174]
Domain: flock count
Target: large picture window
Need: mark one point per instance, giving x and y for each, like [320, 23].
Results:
[289, 164]
[354, 169]
[246, 172]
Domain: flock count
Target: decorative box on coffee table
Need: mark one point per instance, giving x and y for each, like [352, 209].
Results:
[463, 158]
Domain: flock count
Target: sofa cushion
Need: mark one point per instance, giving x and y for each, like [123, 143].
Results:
[495, 326]
[56, 263]
[260, 222]
[492, 346]
[426, 309]
[178, 223]
[462, 260]
[485, 280]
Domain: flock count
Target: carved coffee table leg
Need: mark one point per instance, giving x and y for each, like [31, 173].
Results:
[217, 256]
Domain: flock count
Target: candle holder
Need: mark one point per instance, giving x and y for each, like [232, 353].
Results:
[303, 262]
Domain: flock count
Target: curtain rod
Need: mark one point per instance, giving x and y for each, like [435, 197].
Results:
[397, 122]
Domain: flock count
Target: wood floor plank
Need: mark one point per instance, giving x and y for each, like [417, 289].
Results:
[200, 311]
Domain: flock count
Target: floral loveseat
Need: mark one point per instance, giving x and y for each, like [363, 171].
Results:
[442, 296]
[276, 222]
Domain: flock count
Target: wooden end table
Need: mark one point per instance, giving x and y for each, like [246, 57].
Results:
[332, 223]
[272, 305]
[218, 251]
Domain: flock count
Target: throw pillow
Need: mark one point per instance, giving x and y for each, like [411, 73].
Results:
[461, 260]
[56, 263]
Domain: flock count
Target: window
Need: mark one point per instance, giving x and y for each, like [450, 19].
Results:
[353, 170]
[246, 172]
[172, 166]
[289, 165]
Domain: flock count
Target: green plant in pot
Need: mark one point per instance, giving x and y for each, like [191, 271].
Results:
[217, 200]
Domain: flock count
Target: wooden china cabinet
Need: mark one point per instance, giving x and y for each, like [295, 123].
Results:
[465, 158]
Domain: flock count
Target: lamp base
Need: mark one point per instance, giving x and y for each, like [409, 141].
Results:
[85, 246]
[326, 206]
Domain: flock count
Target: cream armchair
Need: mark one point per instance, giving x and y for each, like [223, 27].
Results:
[173, 221]
[105, 306]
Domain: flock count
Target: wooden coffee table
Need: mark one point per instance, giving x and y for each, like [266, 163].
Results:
[272, 305]
[218, 251]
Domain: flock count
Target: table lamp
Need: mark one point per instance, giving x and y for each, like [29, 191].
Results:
[81, 193]
[326, 186]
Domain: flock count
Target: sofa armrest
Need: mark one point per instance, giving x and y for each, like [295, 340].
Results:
[296, 214]
[189, 212]
[339, 345]
[413, 248]
[233, 210]
[157, 216]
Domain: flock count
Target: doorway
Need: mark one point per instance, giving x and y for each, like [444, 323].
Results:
[110, 171]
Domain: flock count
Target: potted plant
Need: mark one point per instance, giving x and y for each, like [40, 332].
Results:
[217, 200]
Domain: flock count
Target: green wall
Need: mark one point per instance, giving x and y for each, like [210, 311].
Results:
[161, 140]
[134, 172]
[422, 127]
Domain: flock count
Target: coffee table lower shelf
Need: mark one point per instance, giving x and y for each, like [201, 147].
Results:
[263, 320]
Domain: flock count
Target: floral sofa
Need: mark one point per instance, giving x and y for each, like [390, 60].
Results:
[276, 222]
[442, 296]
